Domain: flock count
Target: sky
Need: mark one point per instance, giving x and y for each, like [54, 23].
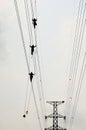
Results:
[56, 25]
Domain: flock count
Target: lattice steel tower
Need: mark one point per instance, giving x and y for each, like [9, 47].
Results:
[55, 116]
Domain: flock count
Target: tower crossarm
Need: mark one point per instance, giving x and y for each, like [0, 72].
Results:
[58, 128]
[55, 116]
[55, 102]
[49, 128]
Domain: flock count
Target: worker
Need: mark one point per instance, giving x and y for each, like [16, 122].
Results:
[32, 49]
[31, 76]
[34, 21]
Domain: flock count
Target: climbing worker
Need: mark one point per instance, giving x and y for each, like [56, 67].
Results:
[32, 49]
[31, 76]
[34, 21]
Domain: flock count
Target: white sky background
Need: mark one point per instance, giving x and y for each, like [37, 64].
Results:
[56, 23]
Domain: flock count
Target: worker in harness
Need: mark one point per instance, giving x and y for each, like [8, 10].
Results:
[32, 49]
[34, 21]
[31, 76]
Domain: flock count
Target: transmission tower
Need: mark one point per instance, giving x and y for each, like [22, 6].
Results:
[55, 116]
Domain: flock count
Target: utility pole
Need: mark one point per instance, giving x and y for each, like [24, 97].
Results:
[55, 116]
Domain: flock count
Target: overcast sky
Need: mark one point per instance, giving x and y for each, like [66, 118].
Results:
[56, 24]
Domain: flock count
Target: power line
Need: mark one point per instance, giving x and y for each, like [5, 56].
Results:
[76, 34]
[34, 59]
[21, 31]
[27, 13]
[39, 91]
[74, 64]
[35, 34]
[31, 3]
[77, 58]
[31, 39]
[29, 99]
[36, 106]
[80, 30]
[82, 73]
[26, 96]
[74, 55]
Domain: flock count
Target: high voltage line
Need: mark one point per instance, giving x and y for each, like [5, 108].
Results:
[33, 46]
[78, 39]
[22, 35]
[79, 45]
[41, 94]
[76, 35]
[82, 73]
[29, 73]
[36, 44]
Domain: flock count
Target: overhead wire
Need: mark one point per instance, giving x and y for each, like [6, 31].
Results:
[34, 59]
[29, 98]
[76, 35]
[36, 106]
[28, 21]
[30, 43]
[25, 105]
[39, 91]
[31, 3]
[76, 46]
[31, 40]
[77, 58]
[79, 39]
[82, 73]
[76, 68]
[23, 42]
[35, 34]
[22, 36]
[75, 53]
[74, 49]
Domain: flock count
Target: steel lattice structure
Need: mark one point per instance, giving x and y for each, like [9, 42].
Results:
[55, 115]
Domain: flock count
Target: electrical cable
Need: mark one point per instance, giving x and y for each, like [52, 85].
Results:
[35, 34]
[31, 3]
[77, 59]
[22, 36]
[72, 89]
[82, 73]
[21, 31]
[37, 49]
[26, 96]
[74, 55]
[28, 21]
[39, 90]
[36, 106]
[29, 24]
[75, 49]
[29, 99]
[76, 35]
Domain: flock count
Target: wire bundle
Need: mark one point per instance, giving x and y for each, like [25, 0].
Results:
[35, 57]
[77, 46]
